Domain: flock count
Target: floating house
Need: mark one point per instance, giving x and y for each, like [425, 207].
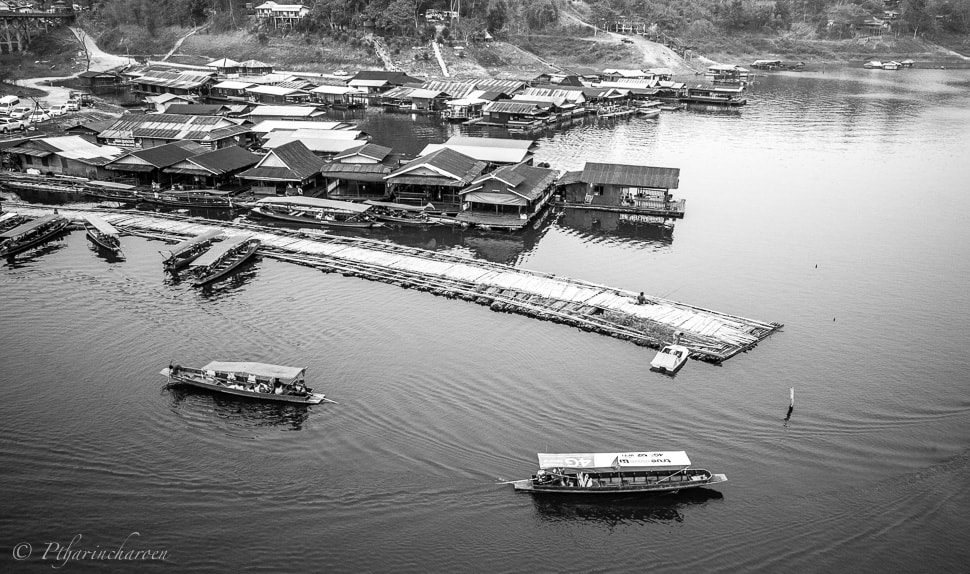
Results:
[300, 113]
[358, 173]
[89, 130]
[146, 165]
[254, 68]
[508, 198]
[290, 169]
[436, 178]
[199, 109]
[411, 99]
[181, 82]
[726, 74]
[215, 169]
[150, 130]
[161, 102]
[230, 91]
[493, 151]
[625, 188]
[323, 143]
[514, 114]
[715, 96]
[100, 81]
[376, 82]
[340, 97]
[277, 95]
[63, 155]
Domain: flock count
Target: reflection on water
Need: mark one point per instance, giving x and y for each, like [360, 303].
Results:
[594, 225]
[235, 281]
[613, 510]
[202, 406]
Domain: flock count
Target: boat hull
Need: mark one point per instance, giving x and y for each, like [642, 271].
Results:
[35, 241]
[229, 268]
[100, 243]
[311, 399]
[528, 485]
[311, 220]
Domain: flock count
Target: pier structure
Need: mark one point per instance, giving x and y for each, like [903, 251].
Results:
[711, 335]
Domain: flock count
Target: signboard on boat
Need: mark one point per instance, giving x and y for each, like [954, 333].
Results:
[617, 461]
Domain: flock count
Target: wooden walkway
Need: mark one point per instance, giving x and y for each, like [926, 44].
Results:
[712, 336]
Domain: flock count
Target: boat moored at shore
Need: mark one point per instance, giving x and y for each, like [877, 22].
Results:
[316, 211]
[102, 234]
[189, 250]
[670, 359]
[614, 473]
[30, 234]
[261, 381]
[222, 259]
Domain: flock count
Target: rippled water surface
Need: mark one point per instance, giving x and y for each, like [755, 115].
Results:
[834, 203]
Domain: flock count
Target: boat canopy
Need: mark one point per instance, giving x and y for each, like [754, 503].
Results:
[193, 241]
[214, 254]
[284, 373]
[29, 226]
[101, 225]
[615, 461]
[400, 206]
[315, 202]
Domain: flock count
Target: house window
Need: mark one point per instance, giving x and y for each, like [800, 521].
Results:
[64, 163]
[597, 189]
[29, 160]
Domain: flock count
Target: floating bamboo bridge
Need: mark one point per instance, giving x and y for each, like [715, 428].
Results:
[712, 336]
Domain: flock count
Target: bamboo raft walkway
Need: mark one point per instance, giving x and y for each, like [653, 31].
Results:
[712, 336]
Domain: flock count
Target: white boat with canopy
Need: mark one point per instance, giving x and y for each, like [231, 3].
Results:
[219, 261]
[616, 472]
[102, 234]
[181, 254]
[263, 381]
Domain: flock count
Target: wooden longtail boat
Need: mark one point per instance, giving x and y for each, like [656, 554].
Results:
[401, 214]
[189, 250]
[191, 198]
[111, 191]
[11, 220]
[222, 259]
[316, 211]
[614, 473]
[261, 381]
[103, 234]
[27, 235]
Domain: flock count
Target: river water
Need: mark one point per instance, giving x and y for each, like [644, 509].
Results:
[835, 203]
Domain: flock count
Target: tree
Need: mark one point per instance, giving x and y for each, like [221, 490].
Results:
[80, 36]
[916, 14]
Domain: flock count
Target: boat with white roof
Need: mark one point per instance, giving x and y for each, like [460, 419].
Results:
[263, 381]
[616, 472]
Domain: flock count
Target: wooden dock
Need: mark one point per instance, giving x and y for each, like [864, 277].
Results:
[712, 336]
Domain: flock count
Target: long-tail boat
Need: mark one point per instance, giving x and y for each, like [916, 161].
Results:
[103, 234]
[316, 211]
[181, 254]
[222, 259]
[27, 235]
[247, 379]
[615, 473]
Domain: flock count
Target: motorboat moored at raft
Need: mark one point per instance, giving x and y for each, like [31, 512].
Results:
[192, 198]
[189, 250]
[222, 259]
[102, 234]
[615, 473]
[262, 381]
[670, 359]
[404, 215]
[316, 211]
[27, 235]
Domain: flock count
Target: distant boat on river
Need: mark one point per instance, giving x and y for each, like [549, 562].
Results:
[670, 359]
[614, 473]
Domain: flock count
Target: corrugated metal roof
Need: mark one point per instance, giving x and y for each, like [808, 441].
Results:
[297, 158]
[494, 150]
[523, 180]
[274, 90]
[225, 160]
[168, 154]
[233, 85]
[162, 126]
[315, 144]
[369, 150]
[223, 63]
[267, 126]
[285, 112]
[507, 107]
[184, 80]
[631, 175]
[449, 163]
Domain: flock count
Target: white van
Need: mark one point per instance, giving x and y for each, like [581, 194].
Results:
[8, 103]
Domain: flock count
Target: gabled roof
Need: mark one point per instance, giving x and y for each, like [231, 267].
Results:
[196, 109]
[253, 64]
[233, 85]
[314, 144]
[447, 163]
[371, 151]
[267, 126]
[631, 175]
[493, 150]
[73, 147]
[399, 78]
[164, 155]
[225, 160]
[297, 163]
[509, 107]
[185, 80]
[93, 74]
[523, 180]
[223, 63]
[356, 171]
[285, 112]
[274, 90]
[172, 127]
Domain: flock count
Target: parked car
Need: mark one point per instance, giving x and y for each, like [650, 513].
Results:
[10, 124]
[73, 105]
[39, 116]
[59, 110]
[21, 112]
[340, 73]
